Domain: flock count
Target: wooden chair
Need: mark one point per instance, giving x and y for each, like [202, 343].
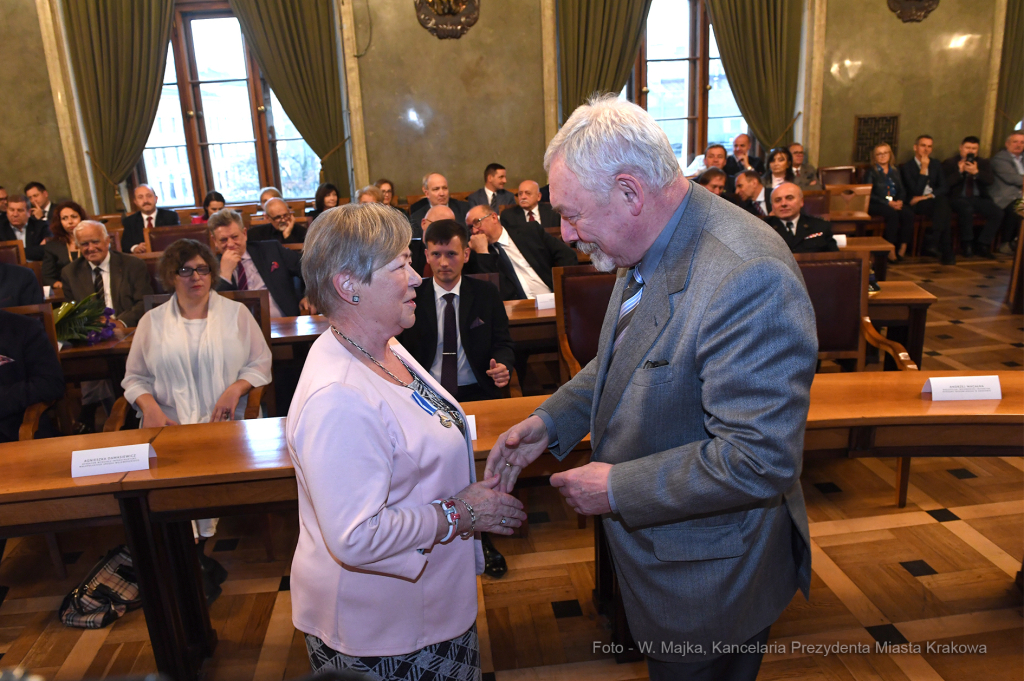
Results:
[152, 260]
[837, 175]
[837, 284]
[581, 298]
[849, 201]
[298, 206]
[12, 252]
[247, 210]
[816, 204]
[37, 268]
[506, 205]
[159, 238]
[460, 196]
[185, 215]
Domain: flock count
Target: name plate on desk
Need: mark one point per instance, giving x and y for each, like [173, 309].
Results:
[963, 388]
[546, 301]
[106, 460]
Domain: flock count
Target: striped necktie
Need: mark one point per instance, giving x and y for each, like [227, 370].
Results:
[630, 300]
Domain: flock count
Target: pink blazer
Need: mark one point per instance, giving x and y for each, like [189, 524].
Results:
[368, 462]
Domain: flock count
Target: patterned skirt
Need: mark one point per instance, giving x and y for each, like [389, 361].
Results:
[454, 660]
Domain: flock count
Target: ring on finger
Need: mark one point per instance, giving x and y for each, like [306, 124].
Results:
[503, 519]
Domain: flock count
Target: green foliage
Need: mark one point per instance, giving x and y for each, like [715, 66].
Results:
[75, 321]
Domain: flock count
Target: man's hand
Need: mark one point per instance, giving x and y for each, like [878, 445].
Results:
[228, 262]
[918, 199]
[516, 448]
[37, 213]
[139, 248]
[924, 164]
[970, 168]
[498, 374]
[896, 205]
[744, 163]
[306, 307]
[478, 242]
[585, 488]
[286, 231]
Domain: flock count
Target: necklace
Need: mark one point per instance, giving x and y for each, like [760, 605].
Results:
[372, 358]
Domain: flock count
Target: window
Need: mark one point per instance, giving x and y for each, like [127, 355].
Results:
[227, 139]
[679, 79]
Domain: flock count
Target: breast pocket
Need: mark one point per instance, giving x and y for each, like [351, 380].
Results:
[655, 375]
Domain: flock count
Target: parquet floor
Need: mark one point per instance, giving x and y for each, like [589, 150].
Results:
[939, 571]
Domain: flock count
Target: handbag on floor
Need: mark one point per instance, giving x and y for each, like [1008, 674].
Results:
[106, 594]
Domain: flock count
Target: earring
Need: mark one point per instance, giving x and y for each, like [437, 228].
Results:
[355, 299]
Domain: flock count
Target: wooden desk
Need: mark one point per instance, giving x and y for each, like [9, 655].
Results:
[902, 307]
[105, 359]
[878, 249]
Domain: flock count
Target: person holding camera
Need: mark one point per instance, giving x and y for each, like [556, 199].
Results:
[968, 179]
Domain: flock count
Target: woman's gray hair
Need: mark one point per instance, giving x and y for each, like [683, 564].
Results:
[358, 238]
[607, 136]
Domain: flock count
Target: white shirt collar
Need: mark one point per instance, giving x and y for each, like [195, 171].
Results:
[149, 215]
[103, 266]
[760, 197]
[489, 194]
[439, 292]
[504, 239]
[20, 229]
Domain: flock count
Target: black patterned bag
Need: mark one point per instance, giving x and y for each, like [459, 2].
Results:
[107, 593]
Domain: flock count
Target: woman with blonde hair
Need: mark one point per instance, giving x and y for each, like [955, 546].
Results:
[887, 199]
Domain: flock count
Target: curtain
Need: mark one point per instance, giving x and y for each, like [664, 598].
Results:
[1010, 101]
[295, 46]
[598, 41]
[118, 50]
[759, 41]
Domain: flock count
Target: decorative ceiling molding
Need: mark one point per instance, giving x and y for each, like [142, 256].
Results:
[913, 10]
[448, 18]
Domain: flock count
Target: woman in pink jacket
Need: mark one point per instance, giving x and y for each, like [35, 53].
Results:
[383, 579]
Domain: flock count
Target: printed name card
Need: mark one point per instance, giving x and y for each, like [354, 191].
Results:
[471, 422]
[111, 460]
[963, 388]
[546, 301]
[840, 240]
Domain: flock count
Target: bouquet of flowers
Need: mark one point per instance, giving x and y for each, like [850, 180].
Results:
[87, 320]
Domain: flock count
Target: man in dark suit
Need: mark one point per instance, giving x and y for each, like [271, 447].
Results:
[529, 209]
[23, 227]
[3, 207]
[281, 226]
[19, 286]
[148, 216]
[802, 233]
[479, 335]
[523, 255]
[29, 373]
[40, 198]
[257, 265]
[740, 159]
[754, 197]
[967, 181]
[926, 186]
[493, 193]
[122, 280]
[435, 186]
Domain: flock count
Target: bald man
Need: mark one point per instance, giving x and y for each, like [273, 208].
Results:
[802, 233]
[740, 158]
[435, 186]
[147, 217]
[529, 209]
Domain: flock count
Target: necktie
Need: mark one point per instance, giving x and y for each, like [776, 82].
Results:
[968, 185]
[791, 227]
[505, 263]
[494, 201]
[630, 300]
[149, 222]
[450, 349]
[529, 216]
[97, 285]
[757, 207]
[240, 278]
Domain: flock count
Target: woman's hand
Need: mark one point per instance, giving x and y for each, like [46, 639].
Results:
[896, 205]
[224, 410]
[152, 415]
[496, 512]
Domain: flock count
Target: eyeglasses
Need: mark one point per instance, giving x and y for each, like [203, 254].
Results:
[479, 220]
[186, 272]
[279, 218]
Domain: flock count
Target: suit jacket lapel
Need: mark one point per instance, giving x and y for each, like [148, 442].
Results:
[115, 282]
[426, 308]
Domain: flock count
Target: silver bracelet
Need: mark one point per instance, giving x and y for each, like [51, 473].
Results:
[472, 518]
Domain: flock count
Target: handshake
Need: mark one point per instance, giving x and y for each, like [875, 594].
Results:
[585, 488]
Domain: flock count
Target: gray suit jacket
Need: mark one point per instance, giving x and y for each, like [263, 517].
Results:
[710, 538]
[129, 285]
[807, 178]
[1007, 185]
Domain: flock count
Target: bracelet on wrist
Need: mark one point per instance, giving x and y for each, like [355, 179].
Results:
[472, 518]
[451, 515]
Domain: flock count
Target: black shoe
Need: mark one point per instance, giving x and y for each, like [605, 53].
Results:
[80, 428]
[212, 567]
[948, 260]
[984, 252]
[211, 589]
[967, 250]
[929, 253]
[494, 562]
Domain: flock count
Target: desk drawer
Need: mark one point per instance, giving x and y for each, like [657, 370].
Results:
[219, 496]
[58, 510]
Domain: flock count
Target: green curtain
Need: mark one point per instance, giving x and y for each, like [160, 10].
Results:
[1010, 102]
[118, 50]
[597, 45]
[759, 41]
[295, 46]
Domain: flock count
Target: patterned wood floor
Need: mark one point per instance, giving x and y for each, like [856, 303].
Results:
[939, 572]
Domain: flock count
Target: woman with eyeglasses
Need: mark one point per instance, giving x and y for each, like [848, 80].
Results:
[387, 189]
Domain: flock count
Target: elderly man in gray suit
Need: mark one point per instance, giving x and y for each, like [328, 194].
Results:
[696, 401]
[1008, 168]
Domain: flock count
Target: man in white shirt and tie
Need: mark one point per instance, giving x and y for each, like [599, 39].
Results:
[756, 199]
[529, 209]
[133, 239]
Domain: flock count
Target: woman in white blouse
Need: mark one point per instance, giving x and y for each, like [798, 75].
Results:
[194, 359]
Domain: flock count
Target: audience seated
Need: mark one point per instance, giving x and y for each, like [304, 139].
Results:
[3, 207]
[18, 286]
[713, 157]
[326, 197]
[281, 226]
[60, 249]
[371, 193]
[714, 180]
[780, 168]
[888, 197]
[269, 193]
[523, 255]
[753, 195]
[387, 189]
[968, 179]
[802, 233]
[247, 265]
[20, 225]
[41, 207]
[493, 193]
[212, 202]
[461, 332]
[529, 209]
[806, 174]
[121, 280]
[148, 216]
[1008, 171]
[925, 188]
[29, 372]
[435, 186]
[740, 159]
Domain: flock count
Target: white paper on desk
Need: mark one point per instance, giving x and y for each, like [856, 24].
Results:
[46, 292]
[840, 240]
[105, 460]
[545, 301]
[471, 421]
[963, 388]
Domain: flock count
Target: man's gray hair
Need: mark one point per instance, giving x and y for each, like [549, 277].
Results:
[607, 136]
[358, 238]
[426, 179]
[223, 218]
[90, 223]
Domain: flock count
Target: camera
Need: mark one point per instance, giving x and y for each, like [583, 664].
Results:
[970, 158]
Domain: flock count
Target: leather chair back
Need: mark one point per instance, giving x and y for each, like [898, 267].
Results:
[12, 252]
[581, 299]
[258, 303]
[837, 284]
[44, 313]
[152, 260]
[837, 175]
[816, 204]
[160, 238]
